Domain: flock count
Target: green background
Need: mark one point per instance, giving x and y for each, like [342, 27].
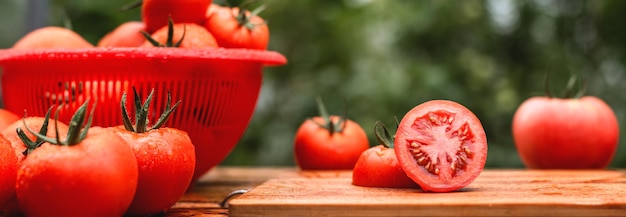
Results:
[386, 56]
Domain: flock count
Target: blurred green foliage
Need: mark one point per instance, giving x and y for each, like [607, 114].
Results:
[384, 57]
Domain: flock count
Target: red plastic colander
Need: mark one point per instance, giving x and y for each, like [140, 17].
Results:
[218, 88]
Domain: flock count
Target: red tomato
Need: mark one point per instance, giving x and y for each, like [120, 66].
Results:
[94, 175]
[165, 157]
[127, 34]
[8, 172]
[378, 166]
[317, 148]
[574, 133]
[155, 13]
[20, 148]
[441, 145]
[233, 28]
[7, 118]
[195, 36]
[51, 37]
[213, 8]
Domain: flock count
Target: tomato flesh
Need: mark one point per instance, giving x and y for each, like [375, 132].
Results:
[441, 145]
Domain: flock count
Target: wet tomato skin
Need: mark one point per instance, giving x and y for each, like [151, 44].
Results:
[441, 145]
[575, 133]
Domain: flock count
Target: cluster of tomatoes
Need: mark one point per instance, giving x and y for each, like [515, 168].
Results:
[441, 145]
[48, 167]
[166, 23]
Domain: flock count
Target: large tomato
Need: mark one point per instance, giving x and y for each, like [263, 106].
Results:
[52, 37]
[22, 149]
[165, 157]
[86, 174]
[127, 34]
[155, 13]
[570, 133]
[7, 118]
[441, 145]
[236, 28]
[8, 172]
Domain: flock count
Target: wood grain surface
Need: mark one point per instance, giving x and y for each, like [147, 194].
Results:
[494, 193]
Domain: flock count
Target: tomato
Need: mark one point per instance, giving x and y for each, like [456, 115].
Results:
[7, 118]
[86, 174]
[165, 158]
[235, 28]
[565, 133]
[8, 172]
[21, 149]
[195, 36]
[329, 142]
[155, 13]
[378, 166]
[52, 37]
[127, 34]
[213, 8]
[441, 145]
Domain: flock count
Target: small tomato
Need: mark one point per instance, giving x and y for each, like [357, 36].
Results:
[329, 142]
[378, 166]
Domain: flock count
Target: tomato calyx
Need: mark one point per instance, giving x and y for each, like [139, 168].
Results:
[170, 36]
[141, 113]
[329, 124]
[382, 135]
[76, 131]
[568, 92]
[30, 144]
[244, 19]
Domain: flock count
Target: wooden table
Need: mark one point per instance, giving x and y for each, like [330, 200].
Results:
[290, 192]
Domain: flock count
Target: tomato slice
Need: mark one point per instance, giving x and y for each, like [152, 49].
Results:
[441, 145]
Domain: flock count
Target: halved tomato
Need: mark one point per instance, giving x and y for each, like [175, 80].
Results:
[441, 145]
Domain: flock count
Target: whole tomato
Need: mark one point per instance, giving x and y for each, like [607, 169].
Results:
[7, 118]
[183, 35]
[441, 145]
[238, 28]
[329, 142]
[378, 166]
[165, 157]
[51, 37]
[155, 13]
[127, 34]
[8, 172]
[93, 172]
[24, 142]
[565, 133]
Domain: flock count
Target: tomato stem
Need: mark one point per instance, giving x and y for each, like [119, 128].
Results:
[568, 92]
[169, 42]
[30, 144]
[382, 135]
[142, 111]
[332, 127]
[76, 131]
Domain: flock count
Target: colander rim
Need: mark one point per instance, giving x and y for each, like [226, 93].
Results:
[266, 57]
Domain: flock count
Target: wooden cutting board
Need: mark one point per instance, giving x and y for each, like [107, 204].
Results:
[493, 193]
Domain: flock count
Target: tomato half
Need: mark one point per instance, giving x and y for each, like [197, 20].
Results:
[574, 133]
[441, 145]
